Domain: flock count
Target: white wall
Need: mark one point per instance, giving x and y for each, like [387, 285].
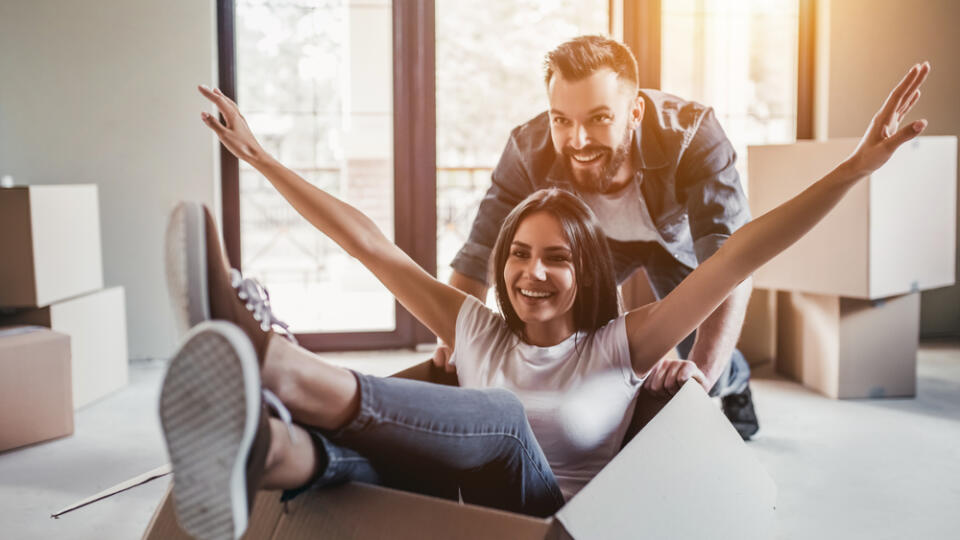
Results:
[104, 92]
[864, 49]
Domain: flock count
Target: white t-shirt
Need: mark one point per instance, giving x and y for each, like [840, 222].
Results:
[623, 215]
[487, 354]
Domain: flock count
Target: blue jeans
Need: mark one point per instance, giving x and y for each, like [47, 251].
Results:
[441, 441]
[665, 273]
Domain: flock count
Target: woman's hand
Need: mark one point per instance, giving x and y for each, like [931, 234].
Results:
[883, 136]
[233, 132]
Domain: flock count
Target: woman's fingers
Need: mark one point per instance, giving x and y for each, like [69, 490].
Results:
[225, 105]
[213, 123]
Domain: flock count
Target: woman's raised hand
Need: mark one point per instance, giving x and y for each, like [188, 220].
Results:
[233, 132]
[884, 135]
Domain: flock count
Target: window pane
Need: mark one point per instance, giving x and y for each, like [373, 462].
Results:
[489, 80]
[315, 82]
[740, 57]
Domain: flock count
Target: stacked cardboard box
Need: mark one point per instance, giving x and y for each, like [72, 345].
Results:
[848, 311]
[52, 276]
[35, 396]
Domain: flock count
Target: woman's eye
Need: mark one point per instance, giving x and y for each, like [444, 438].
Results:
[518, 253]
[560, 121]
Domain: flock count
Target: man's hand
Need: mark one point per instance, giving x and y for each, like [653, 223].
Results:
[441, 357]
[669, 374]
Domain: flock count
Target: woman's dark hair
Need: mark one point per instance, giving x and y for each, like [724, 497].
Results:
[597, 301]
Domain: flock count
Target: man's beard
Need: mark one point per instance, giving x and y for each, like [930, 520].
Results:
[599, 182]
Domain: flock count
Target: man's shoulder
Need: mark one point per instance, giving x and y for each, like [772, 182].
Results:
[670, 112]
[530, 147]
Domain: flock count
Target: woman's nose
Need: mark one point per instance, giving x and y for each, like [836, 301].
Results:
[537, 269]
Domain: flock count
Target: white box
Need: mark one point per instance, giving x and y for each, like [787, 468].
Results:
[893, 233]
[848, 348]
[50, 244]
[97, 326]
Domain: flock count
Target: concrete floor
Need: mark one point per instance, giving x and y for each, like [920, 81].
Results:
[870, 469]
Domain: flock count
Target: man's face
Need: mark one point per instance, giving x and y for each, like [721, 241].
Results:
[591, 124]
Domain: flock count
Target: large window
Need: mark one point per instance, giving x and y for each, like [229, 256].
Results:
[740, 57]
[403, 109]
[315, 80]
[490, 80]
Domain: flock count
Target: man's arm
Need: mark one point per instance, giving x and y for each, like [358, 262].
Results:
[718, 335]
[709, 185]
[477, 289]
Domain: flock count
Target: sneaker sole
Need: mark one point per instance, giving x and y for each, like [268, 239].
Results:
[186, 265]
[209, 410]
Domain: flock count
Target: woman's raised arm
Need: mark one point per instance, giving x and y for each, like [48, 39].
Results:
[432, 302]
[656, 328]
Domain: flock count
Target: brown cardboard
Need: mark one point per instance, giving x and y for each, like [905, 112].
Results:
[848, 348]
[894, 232]
[688, 456]
[35, 395]
[758, 337]
[97, 326]
[50, 240]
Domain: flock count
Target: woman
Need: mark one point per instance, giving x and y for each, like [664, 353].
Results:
[560, 324]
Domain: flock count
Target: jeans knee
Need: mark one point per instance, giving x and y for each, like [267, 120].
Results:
[508, 408]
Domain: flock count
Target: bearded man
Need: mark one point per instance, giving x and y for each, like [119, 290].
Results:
[658, 172]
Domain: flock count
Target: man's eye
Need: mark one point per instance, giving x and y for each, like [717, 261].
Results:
[602, 118]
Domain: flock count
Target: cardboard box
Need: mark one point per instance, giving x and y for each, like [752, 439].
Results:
[97, 326]
[50, 240]
[35, 395]
[687, 474]
[848, 348]
[758, 337]
[893, 233]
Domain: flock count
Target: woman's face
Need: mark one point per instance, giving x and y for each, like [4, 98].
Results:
[540, 278]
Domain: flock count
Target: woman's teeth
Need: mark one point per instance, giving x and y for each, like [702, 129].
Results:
[535, 294]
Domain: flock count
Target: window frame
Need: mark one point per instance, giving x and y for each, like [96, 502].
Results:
[414, 147]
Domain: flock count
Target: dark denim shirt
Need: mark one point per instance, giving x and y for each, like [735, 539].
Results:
[681, 156]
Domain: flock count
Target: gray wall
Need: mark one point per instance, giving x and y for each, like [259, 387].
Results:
[104, 92]
[865, 47]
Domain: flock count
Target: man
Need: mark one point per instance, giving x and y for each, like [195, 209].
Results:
[659, 173]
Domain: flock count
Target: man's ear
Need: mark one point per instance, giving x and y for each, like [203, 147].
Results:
[636, 110]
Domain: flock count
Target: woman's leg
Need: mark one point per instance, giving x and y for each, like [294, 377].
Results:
[419, 436]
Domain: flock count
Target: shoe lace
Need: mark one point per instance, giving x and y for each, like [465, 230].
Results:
[257, 300]
[278, 407]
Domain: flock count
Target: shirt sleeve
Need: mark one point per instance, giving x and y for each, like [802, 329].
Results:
[510, 184]
[708, 181]
[475, 324]
[613, 338]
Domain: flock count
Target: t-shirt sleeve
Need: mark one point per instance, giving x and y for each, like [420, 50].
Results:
[613, 338]
[476, 326]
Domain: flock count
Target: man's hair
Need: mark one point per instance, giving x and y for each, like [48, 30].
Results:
[597, 301]
[583, 56]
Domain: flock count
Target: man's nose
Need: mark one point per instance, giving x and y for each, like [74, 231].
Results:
[580, 136]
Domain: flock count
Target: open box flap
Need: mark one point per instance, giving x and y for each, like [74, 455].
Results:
[687, 474]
